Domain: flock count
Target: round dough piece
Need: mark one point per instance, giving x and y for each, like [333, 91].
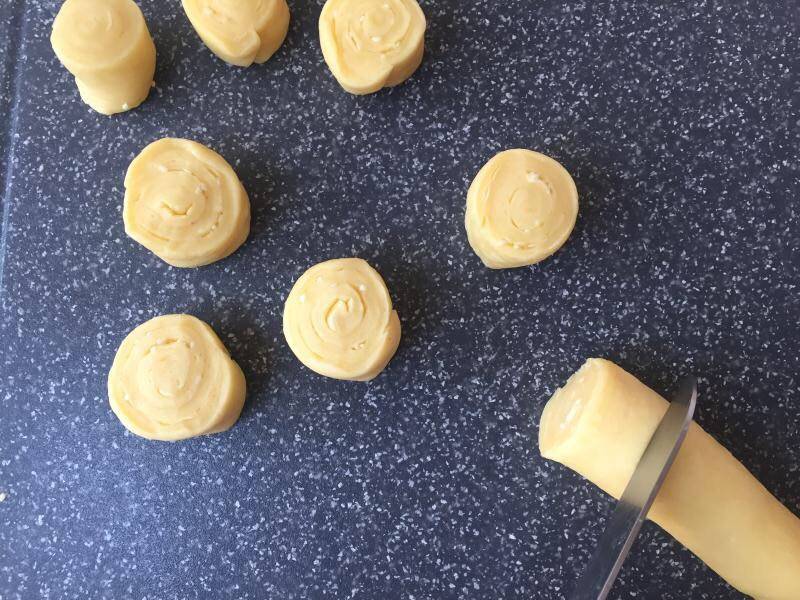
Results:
[372, 44]
[184, 203]
[173, 379]
[240, 32]
[521, 208]
[107, 47]
[339, 321]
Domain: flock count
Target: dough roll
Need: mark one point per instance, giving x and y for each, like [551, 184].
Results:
[106, 45]
[173, 379]
[338, 320]
[521, 208]
[600, 423]
[372, 44]
[184, 203]
[240, 32]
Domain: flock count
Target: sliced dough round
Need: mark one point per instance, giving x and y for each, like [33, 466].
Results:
[173, 379]
[184, 203]
[240, 32]
[107, 47]
[372, 44]
[339, 321]
[521, 208]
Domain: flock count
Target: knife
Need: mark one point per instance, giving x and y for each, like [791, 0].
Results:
[639, 494]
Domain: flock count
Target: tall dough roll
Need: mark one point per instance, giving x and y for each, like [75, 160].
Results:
[107, 47]
[600, 423]
[173, 379]
[521, 208]
[184, 203]
[338, 320]
[372, 44]
[240, 32]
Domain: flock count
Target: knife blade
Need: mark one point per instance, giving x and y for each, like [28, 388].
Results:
[631, 511]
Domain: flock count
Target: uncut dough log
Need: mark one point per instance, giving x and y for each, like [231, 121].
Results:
[173, 379]
[338, 320]
[184, 203]
[107, 47]
[372, 44]
[599, 424]
[240, 32]
[521, 208]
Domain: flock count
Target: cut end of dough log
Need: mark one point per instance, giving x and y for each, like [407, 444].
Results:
[372, 44]
[521, 208]
[240, 32]
[108, 49]
[339, 321]
[184, 203]
[562, 414]
[173, 379]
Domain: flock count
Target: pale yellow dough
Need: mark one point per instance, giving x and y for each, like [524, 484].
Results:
[240, 32]
[106, 45]
[599, 424]
[173, 379]
[339, 321]
[521, 208]
[184, 203]
[372, 44]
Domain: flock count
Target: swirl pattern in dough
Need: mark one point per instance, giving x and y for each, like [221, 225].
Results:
[107, 47]
[339, 321]
[240, 32]
[173, 379]
[521, 208]
[372, 44]
[184, 203]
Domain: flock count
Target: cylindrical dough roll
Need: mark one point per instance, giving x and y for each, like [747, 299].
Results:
[173, 379]
[372, 44]
[338, 320]
[240, 32]
[600, 423]
[106, 45]
[184, 203]
[521, 208]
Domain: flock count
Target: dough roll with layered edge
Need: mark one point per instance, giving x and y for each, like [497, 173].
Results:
[372, 44]
[599, 425]
[107, 47]
[185, 204]
[240, 32]
[339, 321]
[173, 379]
[521, 208]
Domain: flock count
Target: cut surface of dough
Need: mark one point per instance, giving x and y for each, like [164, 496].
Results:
[599, 425]
[372, 44]
[173, 379]
[240, 32]
[521, 208]
[107, 47]
[184, 203]
[338, 320]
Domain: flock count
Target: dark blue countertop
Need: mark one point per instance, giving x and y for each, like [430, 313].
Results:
[679, 123]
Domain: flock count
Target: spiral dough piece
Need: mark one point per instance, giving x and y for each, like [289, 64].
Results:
[184, 203]
[521, 208]
[240, 32]
[372, 44]
[106, 46]
[339, 321]
[173, 379]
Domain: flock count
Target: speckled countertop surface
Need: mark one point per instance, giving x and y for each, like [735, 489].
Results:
[679, 122]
